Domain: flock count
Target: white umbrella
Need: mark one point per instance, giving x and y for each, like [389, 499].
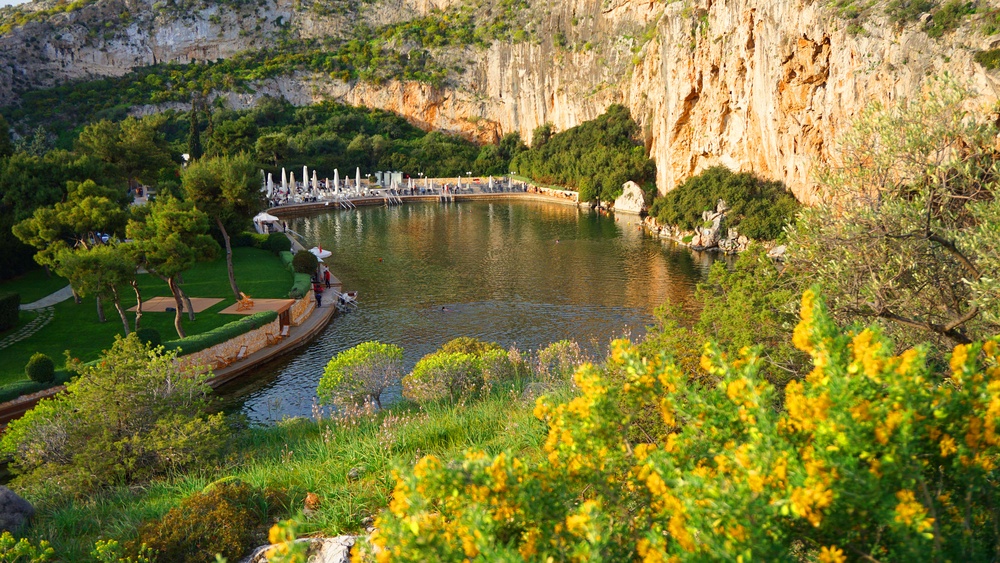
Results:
[264, 217]
[459, 182]
[336, 178]
[491, 183]
[315, 184]
[357, 178]
[320, 253]
[291, 180]
[305, 177]
[284, 180]
[270, 185]
[427, 181]
[411, 184]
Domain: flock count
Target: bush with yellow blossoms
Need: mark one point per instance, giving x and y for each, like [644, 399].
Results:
[868, 456]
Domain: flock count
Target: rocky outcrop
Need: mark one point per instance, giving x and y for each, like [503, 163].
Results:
[15, 512]
[321, 550]
[757, 85]
[632, 200]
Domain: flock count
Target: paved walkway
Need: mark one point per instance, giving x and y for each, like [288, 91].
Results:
[49, 300]
[45, 316]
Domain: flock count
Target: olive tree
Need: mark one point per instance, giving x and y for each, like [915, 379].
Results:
[908, 232]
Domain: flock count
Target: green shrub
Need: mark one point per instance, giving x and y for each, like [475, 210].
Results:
[361, 374]
[10, 304]
[149, 336]
[277, 242]
[758, 208]
[498, 366]
[444, 375]
[228, 331]
[253, 240]
[228, 518]
[301, 284]
[305, 262]
[949, 17]
[903, 11]
[469, 345]
[989, 59]
[286, 258]
[40, 368]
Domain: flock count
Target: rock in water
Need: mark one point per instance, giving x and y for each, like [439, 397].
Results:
[14, 510]
[632, 200]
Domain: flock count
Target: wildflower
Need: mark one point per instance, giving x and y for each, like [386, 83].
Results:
[948, 446]
[958, 359]
[832, 554]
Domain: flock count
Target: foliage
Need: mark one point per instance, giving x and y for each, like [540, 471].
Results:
[989, 59]
[444, 375]
[133, 147]
[759, 208]
[228, 518]
[10, 310]
[558, 361]
[110, 551]
[880, 456]
[132, 416]
[23, 551]
[469, 345]
[102, 270]
[40, 368]
[948, 17]
[149, 337]
[301, 284]
[224, 333]
[361, 374]
[907, 235]
[905, 11]
[284, 547]
[595, 157]
[277, 242]
[305, 262]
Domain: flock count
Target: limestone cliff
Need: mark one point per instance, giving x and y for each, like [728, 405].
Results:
[759, 85]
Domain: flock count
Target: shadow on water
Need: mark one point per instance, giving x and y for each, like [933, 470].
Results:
[518, 273]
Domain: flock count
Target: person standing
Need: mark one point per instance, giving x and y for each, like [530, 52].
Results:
[326, 276]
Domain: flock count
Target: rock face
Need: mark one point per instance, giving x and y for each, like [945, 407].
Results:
[321, 550]
[14, 510]
[765, 86]
[632, 200]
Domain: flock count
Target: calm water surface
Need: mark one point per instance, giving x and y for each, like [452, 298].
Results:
[515, 272]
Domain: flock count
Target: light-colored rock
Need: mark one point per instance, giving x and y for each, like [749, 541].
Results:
[777, 253]
[632, 200]
[321, 550]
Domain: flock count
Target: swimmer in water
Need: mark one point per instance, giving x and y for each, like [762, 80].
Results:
[445, 309]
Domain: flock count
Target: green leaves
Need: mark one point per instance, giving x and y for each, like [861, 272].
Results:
[360, 374]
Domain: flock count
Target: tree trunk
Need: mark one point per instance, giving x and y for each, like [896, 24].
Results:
[180, 307]
[76, 296]
[138, 301]
[229, 259]
[100, 309]
[121, 311]
[187, 301]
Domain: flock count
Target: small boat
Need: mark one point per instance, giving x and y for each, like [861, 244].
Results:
[347, 300]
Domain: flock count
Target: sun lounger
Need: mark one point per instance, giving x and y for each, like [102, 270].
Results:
[244, 303]
[284, 332]
[224, 361]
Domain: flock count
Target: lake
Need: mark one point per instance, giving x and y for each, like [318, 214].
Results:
[518, 272]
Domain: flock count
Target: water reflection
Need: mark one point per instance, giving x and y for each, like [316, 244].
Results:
[515, 272]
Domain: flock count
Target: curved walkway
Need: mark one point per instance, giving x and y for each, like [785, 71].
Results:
[49, 300]
[45, 316]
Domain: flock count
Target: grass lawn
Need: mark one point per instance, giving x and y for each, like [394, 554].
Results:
[76, 328]
[300, 456]
[34, 285]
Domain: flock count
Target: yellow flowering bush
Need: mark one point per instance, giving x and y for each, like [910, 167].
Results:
[868, 456]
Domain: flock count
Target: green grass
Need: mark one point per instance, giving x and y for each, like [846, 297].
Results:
[300, 456]
[76, 327]
[34, 285]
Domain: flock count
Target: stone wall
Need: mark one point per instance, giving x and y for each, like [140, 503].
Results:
[558, 194]
[254, 340]
[302, 308]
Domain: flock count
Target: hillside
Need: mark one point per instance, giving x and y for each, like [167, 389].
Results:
[756, 85]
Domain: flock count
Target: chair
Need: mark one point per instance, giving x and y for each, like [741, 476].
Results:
[284, 332]
[244, 303]
[272, 338]
[241, 354]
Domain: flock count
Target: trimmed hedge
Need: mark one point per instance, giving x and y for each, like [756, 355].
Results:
[40, 368]
[251, 240]
[12, 391]
[286, 258]
[10, 304]
[277, 242]
[301, 284]
[199, 342]
[305, 262]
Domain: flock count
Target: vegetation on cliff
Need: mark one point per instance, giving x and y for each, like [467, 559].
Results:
[594, 158]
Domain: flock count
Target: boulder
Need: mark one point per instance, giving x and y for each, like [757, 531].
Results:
[632, 200]
[321, 550]
[777, 253]
[14, 510]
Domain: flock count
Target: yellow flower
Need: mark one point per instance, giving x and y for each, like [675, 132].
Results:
[958, 358]
[948, 446]
[910, 512]
[832, 554]
[801, 336]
